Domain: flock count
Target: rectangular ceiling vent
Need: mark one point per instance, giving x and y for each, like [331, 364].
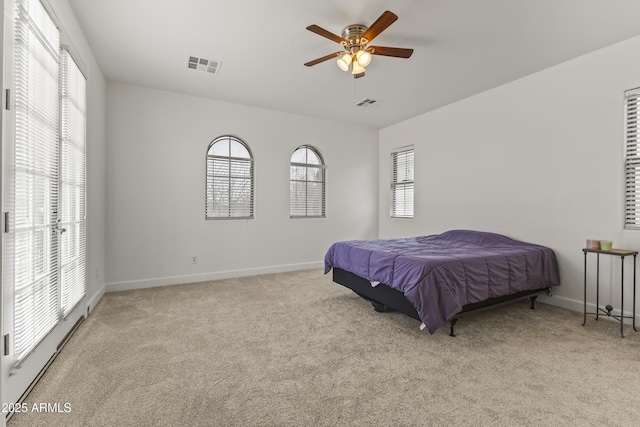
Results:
[366, 103]
[202, 64]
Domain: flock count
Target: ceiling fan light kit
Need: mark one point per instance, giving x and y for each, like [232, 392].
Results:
[355, 39]
[344, 62]
[364, 57]
[357, 68]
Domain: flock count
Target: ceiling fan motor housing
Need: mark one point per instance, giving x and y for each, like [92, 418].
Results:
[352, 36]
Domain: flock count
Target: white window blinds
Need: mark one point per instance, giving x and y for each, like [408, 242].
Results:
[402, 183]
[229, 180]
[307, 184]
[72, 185]
[33, 239]
[632, 161]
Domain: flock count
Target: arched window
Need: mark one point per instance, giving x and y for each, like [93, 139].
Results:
[307, 183]
[229, 179]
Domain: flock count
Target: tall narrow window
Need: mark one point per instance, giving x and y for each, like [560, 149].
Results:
[72, 215]
[229, 179]
[402, 183]
[632, 161]
[306, 184]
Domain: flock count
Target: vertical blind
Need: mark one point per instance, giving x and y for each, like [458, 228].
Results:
[632, 161]
[402, 183]
[35, 176]
[72, 216]
[229, 180]
[307, 184]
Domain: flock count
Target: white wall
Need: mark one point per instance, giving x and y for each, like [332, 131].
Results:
[539, 159]
[157, 143]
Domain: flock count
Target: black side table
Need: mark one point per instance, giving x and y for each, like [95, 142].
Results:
[622, 253]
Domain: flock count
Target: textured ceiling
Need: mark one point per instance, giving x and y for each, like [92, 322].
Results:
[461, 47]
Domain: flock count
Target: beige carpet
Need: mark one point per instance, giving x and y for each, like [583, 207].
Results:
[295, 349]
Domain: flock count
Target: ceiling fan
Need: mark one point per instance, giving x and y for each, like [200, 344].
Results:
[355, 41]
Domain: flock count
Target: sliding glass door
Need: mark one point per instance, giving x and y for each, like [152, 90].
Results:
[43, 264]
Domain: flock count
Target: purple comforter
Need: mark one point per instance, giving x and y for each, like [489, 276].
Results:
[441, 273]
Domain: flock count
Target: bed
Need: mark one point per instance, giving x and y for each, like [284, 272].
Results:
[437, 278]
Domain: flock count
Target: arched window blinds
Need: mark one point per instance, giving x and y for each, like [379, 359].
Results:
[229, 179]
[307, 183]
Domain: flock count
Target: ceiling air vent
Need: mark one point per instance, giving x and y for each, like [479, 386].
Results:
[202, 64]
[365, 103]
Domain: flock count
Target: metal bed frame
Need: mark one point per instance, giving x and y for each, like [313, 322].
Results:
[386, 299]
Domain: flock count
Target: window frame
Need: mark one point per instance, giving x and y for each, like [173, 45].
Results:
[230, 159]
[395, 211]
[322, 167]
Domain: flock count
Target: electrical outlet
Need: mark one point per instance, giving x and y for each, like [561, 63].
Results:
[194, 260]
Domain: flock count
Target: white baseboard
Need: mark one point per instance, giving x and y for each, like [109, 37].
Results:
[95, 298]
[578, 305]
[564, 302]
[204, 277]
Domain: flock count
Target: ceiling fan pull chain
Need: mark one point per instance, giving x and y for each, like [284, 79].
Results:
[355, 90]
